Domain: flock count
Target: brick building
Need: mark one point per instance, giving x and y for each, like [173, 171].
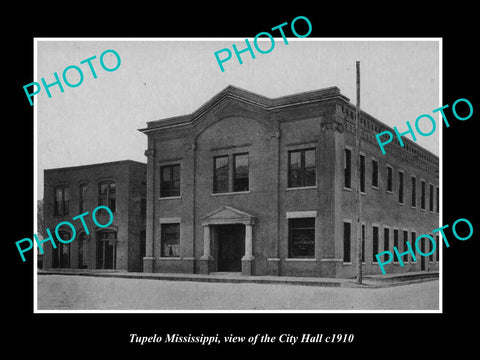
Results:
[265, 187]
[71, 191]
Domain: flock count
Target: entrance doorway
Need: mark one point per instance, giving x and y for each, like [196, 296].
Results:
[61, 254]
[229, 247]
[82, 251]
[106, 249]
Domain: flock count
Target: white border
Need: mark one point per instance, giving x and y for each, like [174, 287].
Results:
[35, 176]
[35, 54]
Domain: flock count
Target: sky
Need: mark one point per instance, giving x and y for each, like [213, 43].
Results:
[98, 120]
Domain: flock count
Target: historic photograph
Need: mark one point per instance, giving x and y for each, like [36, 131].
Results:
[170, 178]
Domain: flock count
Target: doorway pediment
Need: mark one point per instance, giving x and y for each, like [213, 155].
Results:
[228, 215]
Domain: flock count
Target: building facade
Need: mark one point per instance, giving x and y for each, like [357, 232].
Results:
[68, 192]
[266, 187]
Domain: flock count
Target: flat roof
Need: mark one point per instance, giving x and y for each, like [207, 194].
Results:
[111, 163]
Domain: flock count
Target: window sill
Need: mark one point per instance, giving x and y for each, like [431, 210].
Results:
[170, 197]
[169, 258]
[347, 189]
[301, 188]
[389, 192]
[300, 259]
[230, 193]
[375, 187]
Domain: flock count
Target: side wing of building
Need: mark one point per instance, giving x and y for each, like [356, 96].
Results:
[72, 191]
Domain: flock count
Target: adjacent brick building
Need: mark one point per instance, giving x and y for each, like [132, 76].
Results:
[71, 191]
[265, 186]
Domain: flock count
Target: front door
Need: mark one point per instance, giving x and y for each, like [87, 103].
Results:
[62, 252]
[106, 249]
[82, 251]
[230, 241]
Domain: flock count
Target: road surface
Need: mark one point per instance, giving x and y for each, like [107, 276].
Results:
[66, 292]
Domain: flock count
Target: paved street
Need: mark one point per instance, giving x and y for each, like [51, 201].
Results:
[66, 292]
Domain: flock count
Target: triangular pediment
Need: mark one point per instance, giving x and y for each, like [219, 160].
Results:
[228, 215]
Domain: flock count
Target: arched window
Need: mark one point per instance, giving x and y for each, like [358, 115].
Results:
[82, 191]
[106, 194]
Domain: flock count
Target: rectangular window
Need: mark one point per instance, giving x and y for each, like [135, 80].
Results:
[107, 195]
[170, 240]
[112, 197]
[301, 168]
[301, 237]
[422, 196]
[400, 187]
[61, 201]
[375, 173]
[220, 174]
[348, 169]
[82, 191]
[386, 239]
[362, 173]
[438, 199]
[240, 172]
[414, 191]
[389, 179]
[375, 243]
[363, 242]
[58, 202]
[395, 243]
[412, 243]
[405, 246]
[346, 241]
[170, 180]
[431, 198]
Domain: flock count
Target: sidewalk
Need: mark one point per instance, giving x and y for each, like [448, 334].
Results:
[369, 281]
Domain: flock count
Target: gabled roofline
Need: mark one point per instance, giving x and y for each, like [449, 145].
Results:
[269, 104]
[249, 97]
[239, 217]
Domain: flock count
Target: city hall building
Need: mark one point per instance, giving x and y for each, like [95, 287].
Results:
[266, 187]
[72, 191]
